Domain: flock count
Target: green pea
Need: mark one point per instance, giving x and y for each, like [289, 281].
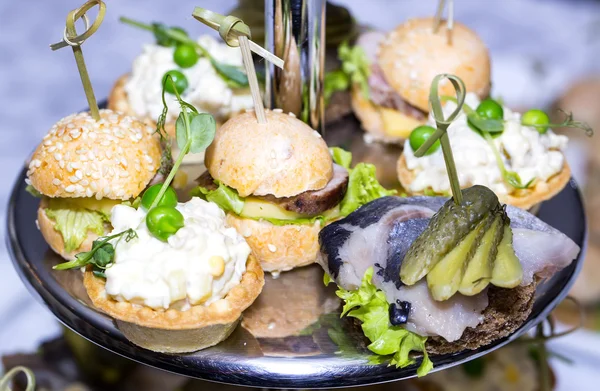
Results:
[418, 137]
[181, 82]
[185, 56]
[164, 221]
[490, 109]
[536, 118]
[168, 199]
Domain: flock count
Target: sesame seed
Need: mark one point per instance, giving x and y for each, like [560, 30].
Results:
[70, 167]
[68, 155]
[89, 193]
[47, 142]
[278, 110]
[93, 186]
[91, 156]
[66, 138]
[79, 174]
[55, 182]
[96, 175]
[121, 193]
[75, 133]
[70, 189]
[106, 190]
[59, 145]
[58, 157]
[74, 179]
[88, 172]
[105, 143]
[51, 149]
[28, 181]
[272, 247]
[124, 174]
[79, 188]
[138, 168]
[292, 114]
[61, 164]
[75, 165]
[108, 153]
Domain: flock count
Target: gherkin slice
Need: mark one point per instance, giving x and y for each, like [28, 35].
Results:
[445, 277]
[479, 270]
[445, 230]
[508, 272]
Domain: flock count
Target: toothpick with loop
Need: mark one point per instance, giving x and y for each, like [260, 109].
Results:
[236, 33]
[442, 125]
[72, 39]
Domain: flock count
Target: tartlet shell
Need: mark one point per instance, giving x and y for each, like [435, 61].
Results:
[175, 331]
[524, 199]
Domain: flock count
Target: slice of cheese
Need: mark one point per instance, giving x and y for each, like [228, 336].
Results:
[397, 124]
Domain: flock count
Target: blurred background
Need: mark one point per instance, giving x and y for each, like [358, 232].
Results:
[545, 54]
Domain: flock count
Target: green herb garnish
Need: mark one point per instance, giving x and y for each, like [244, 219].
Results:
[369, 305]
[355, 70]
[167, 36]
[101, 256]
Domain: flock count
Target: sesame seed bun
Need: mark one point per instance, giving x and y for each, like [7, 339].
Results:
[412, 55]
[283, 157]
[54, 237]
[113, 158]
[279, 247]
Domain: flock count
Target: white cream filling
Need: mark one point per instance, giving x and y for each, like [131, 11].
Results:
[183, 271]
[207, 91]
[523, 149]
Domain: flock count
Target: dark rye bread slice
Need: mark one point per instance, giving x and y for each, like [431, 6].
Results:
[506, 312]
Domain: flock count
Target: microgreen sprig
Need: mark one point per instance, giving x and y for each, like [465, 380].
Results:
[100, 256]
[194, 133]
[232, 75]
[568, 122]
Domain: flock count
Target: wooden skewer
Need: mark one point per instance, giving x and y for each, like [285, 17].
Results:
[449, 22]
[70, 38]
[252, 80]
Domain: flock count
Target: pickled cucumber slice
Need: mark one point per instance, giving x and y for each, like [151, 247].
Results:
[445, 277]
[445, 230]
[480, 267]
[507, 272]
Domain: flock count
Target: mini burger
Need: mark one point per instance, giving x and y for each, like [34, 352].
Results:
[393, 99]
[83, 168]
[279, 185]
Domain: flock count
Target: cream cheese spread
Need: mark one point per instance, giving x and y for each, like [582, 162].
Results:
[199, 264]
[207, 91]
[523, 149]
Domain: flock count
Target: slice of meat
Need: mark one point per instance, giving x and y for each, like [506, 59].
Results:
[309, 203]
[384, 95]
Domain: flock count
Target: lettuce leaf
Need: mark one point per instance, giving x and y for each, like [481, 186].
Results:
[74, 223]
[363, 188]
[341, 157]
[369, 305]
[33, 191]
[227, 198]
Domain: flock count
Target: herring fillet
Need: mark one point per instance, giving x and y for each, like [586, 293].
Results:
[380, 230]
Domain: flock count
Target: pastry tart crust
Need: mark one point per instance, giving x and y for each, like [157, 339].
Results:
[175, 331]
[524, 199]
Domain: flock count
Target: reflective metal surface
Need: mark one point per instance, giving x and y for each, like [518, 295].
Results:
[292, 337]
[295, 32]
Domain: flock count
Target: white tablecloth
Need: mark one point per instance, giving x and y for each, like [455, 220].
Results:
[538, 48]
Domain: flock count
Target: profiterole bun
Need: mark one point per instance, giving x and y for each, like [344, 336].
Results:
[283, 157]
[113, 158]
[413, 54]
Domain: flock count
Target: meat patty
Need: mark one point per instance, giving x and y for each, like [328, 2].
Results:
[384, 95]
[309, 203]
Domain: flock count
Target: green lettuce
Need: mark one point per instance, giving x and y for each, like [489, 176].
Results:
[227, 198]
[33, 191]
[341, 157]
[75, 223]
[363, 188]
[369, 305]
